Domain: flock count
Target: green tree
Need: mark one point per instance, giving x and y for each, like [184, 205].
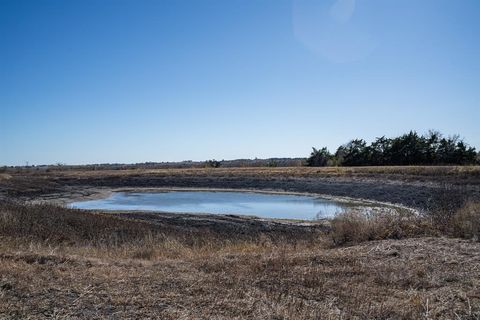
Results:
[380, 151]
[319, 157]
[354, 153]
[408, 149]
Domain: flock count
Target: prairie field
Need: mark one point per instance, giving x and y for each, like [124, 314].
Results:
[65, 263]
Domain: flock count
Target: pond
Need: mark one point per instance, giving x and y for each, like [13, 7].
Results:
[267, 205]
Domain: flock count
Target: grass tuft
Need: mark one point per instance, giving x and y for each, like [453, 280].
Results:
[466, 221]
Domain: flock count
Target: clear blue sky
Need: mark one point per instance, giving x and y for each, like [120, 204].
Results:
[95, 81]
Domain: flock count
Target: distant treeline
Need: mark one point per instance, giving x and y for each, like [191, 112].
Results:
[408, 149]
[237, 163]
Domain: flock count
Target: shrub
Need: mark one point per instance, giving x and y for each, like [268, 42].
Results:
[272, 163]
[466, 221]
[319, 157]
[212, 164]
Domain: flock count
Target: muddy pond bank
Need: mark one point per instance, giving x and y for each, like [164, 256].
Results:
[421, 191]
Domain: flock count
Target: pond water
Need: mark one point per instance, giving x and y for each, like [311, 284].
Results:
[266, 205]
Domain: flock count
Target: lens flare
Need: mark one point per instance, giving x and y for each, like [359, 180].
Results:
[331, 29]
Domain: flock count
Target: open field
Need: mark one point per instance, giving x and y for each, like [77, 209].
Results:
[399, 172]
[64, 263]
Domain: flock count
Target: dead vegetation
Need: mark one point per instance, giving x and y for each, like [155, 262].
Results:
[353, 227]
[70, 264]
[466, 222]
[66, 264]
[466, 171]
[50, 224]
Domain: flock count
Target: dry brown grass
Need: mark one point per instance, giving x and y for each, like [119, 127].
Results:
[466, 221]
[404, 279]
[50, 224]
[115, 236]
[399, 171]
[353, 227]
[69, 264]
[456, 174]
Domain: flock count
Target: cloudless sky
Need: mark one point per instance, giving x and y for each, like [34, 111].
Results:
[96, 81]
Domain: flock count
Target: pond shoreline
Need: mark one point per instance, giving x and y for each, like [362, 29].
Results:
[417, 190]
[87, 194]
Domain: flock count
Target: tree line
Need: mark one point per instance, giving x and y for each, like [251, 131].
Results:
[408, 149]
